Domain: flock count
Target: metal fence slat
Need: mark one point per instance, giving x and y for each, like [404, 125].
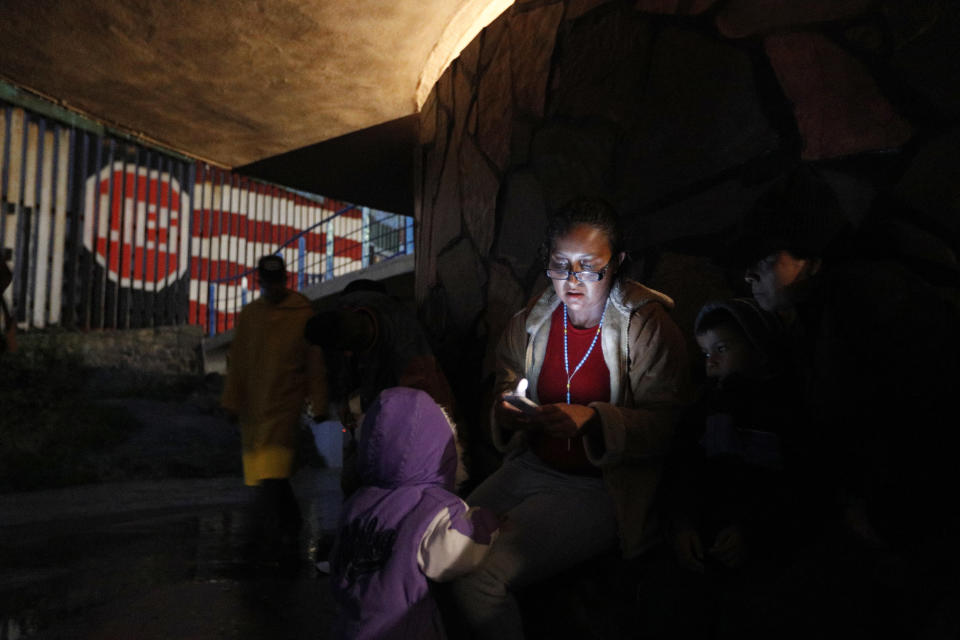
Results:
[4, 153]
[44, 239]
[59, 225]
[26, 225]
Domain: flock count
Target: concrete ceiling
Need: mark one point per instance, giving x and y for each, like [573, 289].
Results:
[237, 82]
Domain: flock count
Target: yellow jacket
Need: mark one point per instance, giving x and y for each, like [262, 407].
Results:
[271, 371]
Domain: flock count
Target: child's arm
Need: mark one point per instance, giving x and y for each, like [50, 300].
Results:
[456, 541]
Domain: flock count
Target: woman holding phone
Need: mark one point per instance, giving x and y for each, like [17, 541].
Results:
[606, 365]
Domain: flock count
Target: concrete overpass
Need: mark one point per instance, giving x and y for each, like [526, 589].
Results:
[240, 83]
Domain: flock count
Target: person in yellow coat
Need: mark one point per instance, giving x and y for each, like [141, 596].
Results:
[271, 372]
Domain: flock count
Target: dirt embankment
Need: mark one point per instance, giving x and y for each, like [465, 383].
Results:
[64, 423]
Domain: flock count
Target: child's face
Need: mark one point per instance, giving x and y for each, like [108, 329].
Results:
[726, 351]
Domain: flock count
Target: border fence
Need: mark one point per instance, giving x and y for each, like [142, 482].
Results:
[104, 232]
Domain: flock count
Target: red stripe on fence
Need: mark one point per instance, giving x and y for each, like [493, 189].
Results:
[226, 267]
[346, 248]
[235, 225]
[223, 321]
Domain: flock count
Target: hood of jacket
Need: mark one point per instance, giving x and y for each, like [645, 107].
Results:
[407, 440]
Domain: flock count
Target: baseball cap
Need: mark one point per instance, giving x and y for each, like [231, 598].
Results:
[271, 268]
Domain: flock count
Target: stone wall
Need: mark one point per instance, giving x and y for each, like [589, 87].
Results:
[161, 352]
[680, 113]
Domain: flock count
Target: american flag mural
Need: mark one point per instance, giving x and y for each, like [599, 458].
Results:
[105, 232]
[237, 220]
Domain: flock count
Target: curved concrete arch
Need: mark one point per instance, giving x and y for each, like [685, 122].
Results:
[472, 17]
[236, 82]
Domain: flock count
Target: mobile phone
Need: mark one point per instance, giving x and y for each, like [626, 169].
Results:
[519, 398]
[523, 403]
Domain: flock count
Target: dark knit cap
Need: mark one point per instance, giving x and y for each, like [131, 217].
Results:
[799, 214]
[272, 269]
[341, 329]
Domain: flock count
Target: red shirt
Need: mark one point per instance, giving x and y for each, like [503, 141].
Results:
[590, 384]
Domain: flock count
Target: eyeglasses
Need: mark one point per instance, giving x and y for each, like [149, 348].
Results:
[581, 276]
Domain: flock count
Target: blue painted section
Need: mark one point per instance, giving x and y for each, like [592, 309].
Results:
[409, 229]
[365, 237]
[301, 262]
[212, 309]
[328, 271]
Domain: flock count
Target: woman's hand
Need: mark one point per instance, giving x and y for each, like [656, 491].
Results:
[554, 420]
[347, 418]
[510, 418]
[564, 420]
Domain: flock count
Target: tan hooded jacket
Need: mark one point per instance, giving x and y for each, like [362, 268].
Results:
[647, 359]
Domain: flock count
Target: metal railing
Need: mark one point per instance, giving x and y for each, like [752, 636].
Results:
[348, 247]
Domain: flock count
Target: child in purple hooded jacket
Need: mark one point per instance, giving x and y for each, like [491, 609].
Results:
[404, 526]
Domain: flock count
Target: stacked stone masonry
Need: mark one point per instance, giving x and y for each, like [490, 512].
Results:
[678, 112]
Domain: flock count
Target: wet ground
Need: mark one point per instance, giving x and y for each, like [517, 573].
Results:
[154, 560]
[159, 558]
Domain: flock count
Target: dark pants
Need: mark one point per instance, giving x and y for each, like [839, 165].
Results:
[277, 520]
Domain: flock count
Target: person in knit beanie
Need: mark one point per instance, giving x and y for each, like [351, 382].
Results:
[793, 227]
[874, 351]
